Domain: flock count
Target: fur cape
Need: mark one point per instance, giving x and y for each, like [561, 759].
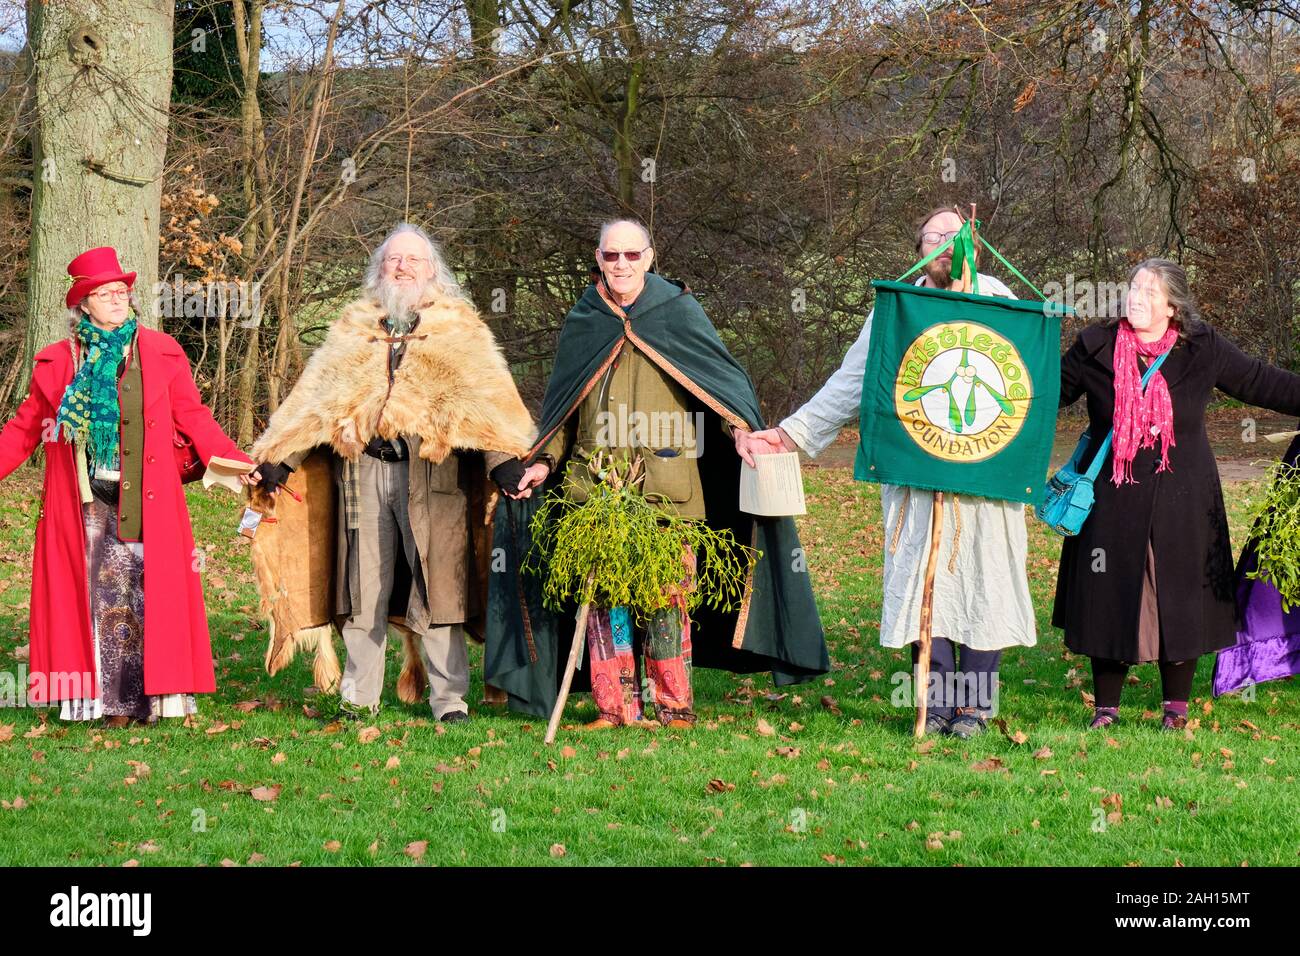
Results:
[453, 390]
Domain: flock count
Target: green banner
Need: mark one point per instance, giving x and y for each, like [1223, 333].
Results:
[960, 392]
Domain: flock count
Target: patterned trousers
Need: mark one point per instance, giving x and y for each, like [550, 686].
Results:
[666, 641]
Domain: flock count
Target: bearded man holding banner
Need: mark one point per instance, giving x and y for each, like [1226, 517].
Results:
[981, 603]
[639, 348]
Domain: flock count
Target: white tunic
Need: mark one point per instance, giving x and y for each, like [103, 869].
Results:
[983, 602]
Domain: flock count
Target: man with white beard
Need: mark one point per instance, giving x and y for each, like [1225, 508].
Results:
[412, 397]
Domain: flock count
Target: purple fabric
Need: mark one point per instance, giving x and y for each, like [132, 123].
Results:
[1268, 641]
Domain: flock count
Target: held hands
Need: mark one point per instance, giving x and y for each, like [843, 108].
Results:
[269, 475]
[769, 441]
[533, 476]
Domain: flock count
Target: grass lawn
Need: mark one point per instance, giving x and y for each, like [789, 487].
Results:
[826, 774]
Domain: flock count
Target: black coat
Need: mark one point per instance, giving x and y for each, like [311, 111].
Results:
[1181, 510]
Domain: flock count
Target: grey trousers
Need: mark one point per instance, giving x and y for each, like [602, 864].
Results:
[383, 489]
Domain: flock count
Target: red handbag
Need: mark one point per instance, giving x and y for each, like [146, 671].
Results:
[188, 462]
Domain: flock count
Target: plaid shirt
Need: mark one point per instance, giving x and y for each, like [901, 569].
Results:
[351, 469]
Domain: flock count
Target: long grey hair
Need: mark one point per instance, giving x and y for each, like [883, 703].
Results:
[1173, 279]
[442, 284]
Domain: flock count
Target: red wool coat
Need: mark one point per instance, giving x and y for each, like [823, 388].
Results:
[177, 653]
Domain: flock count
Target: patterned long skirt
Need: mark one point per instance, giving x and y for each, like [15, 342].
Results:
[116, 583]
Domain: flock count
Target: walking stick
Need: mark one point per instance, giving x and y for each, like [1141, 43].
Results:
[579, 635]
[927, 615]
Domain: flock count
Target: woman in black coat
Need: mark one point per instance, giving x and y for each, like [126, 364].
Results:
[1150, 575]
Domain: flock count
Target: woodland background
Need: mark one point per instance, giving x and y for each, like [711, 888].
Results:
[781, 152]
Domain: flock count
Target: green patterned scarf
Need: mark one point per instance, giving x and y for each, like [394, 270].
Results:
[89, 412]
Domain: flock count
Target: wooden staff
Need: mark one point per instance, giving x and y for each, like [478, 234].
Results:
[579, 635]
[963, 284]
[927, 615]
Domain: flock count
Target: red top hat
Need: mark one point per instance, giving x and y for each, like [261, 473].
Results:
[94, 268]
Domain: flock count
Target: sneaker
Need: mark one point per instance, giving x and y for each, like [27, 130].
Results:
[937, 723]
[455, 717]
[1101, 719]
[968, 723]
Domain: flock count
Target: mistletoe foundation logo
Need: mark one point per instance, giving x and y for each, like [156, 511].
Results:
[962, 391]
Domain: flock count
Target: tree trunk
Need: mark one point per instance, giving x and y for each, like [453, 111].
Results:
[257, 196]
[103, 72]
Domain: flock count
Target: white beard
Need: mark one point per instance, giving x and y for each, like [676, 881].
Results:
[399, 303]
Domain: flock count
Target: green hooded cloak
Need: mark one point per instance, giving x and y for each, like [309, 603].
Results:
[777, 627]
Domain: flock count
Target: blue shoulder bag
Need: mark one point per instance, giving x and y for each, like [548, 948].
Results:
[1068, 498]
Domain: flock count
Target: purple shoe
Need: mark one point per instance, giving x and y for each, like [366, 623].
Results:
[1104, 717]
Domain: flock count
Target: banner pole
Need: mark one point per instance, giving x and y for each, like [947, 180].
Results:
[927, 616]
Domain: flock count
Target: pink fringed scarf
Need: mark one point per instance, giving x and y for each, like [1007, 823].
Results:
[1140, 416]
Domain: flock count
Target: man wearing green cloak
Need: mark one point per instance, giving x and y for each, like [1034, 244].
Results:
[640, 370]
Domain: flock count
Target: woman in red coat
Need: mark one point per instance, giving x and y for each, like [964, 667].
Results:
[114, 535]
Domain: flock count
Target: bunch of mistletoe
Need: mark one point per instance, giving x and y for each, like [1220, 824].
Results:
[619, 549]
[1275, 534]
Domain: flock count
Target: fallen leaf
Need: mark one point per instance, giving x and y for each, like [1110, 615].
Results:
[368, 735]
[765, 729]
[568, 753]
[218, 728]
[1017, 737]
[989, 763]
[1043, 753]
[6, 733]
[332, 846]
[717, 785]
[558, 850]
[417, 849]
[266, 794]
[393, 763]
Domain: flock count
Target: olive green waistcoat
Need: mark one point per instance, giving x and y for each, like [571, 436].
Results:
[646, 413]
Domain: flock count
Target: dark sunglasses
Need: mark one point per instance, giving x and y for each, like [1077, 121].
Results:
[633, 255]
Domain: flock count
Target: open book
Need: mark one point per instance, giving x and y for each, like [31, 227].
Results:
[774, 488]
[225, 472]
